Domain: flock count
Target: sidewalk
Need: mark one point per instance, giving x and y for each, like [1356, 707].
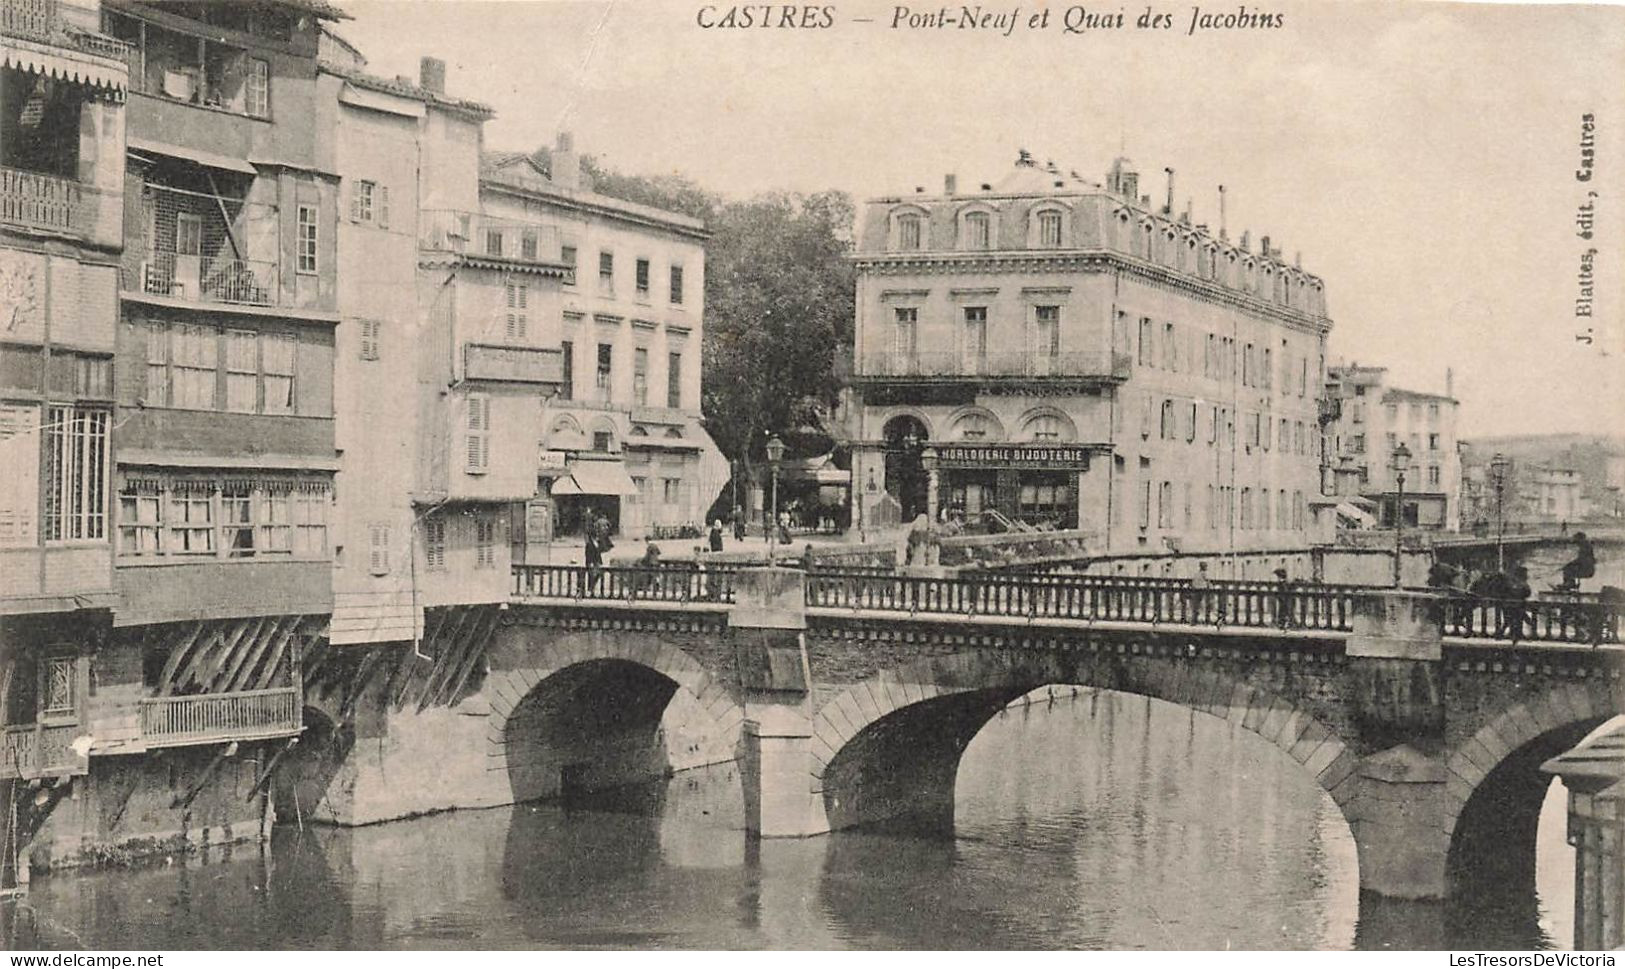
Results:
[627, 551]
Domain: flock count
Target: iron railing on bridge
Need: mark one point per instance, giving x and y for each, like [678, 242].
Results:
[1081, 597]
[1089, 598]
[659, 584]
[1572, 620]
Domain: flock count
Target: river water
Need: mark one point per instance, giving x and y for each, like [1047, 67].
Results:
[1094, 820]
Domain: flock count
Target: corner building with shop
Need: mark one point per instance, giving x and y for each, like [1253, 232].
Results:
[1049, 350]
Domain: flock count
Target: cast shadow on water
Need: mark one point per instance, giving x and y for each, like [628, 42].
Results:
[1097, 821]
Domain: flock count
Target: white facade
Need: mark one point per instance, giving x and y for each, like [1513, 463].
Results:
[1374, 418]
[631, 321]
[1056, 351]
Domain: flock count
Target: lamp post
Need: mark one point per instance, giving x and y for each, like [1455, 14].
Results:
[1401, 463]
[775, 454]
[1498, 476]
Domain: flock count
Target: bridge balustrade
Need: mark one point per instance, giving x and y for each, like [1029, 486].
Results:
[1533, 620]
[1156, 600]
[660, 584]
[1119, 598]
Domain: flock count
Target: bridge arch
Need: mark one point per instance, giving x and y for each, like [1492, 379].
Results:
[594, 708]
[1494, 787]
[888, 747]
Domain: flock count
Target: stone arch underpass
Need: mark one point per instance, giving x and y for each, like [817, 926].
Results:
[1494, 787]
[582, 710]
[887, 748]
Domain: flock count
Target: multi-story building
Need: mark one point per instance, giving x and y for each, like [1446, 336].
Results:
[62, 115]
[1061, 352]
[623, 439]
[220, 478]
[449, 350]
[1373, 420]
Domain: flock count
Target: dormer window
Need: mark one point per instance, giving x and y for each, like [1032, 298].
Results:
[908, 232]
[1049, 230]
[977, 230]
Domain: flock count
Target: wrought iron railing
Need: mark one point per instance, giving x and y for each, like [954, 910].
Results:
[478, 234]
[248, 715]
[945, 364]
[210, 279]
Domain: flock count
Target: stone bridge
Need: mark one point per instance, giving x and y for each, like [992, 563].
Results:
[848, 699]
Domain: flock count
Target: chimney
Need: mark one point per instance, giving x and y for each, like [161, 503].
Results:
[1264, 245]
[1223, 230]
[1168, 206]
[950, 184]
[1246, 239]
[1450, 383]
[432, 75]
[566, 165]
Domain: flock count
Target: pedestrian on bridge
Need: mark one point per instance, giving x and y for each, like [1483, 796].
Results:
[1284, 588]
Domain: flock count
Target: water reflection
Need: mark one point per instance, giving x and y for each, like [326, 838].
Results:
[1095, 821]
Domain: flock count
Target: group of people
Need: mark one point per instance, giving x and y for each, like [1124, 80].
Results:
[1510, 590]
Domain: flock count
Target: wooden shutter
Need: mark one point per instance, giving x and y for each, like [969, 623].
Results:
[477, 434]
[378, 549]
[382, 202]
[369, 339]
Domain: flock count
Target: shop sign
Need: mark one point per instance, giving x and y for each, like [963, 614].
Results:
[1059, 457]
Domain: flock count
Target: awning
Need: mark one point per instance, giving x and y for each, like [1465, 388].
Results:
[24, 56]
[1348, 511]
[595, 478]
[206, 158]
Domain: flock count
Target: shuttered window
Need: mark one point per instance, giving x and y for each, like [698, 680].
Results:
[378, 549]
[369, 339]
[477, 434]
[518, 317]
[434, 543]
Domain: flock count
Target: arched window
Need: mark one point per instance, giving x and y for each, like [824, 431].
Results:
[1168, 431]
[973, 427]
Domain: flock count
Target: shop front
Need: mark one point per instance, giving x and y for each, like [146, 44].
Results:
[588, 490]
[995, 485]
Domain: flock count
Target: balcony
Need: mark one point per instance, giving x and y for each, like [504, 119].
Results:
[34, 750]
[41, 21]
[174, 721]
[48, 203]
[478, 234]
[947, 365]
[512, 364]
[204, 279]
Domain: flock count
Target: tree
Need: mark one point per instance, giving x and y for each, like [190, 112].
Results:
[779, 298]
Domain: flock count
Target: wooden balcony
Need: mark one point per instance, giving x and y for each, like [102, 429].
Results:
[175, 721]
[35, 750]
[38, 201]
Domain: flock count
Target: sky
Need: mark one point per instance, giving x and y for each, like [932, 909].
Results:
[1420, 156]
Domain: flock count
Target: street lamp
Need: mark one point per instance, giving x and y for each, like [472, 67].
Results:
[775, 454]
[1401, 463]
[1499, 465]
